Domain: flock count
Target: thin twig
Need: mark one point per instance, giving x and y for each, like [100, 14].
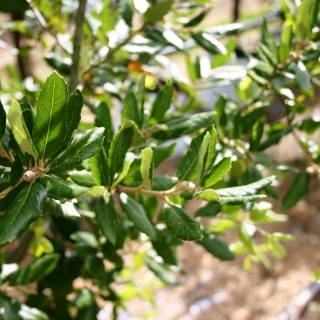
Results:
[74, 74]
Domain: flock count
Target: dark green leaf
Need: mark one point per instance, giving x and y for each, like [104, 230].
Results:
[83, 178]
[22, 212]
[256, 135]
[183, 125]
[50, 125]
[298, 189]
[309, 125]
[161, 104]
[28, 113]
[180, 223]
[209, 43]
[60, 189]
[157, 11]
[161, 153]
[94, 266]
[34, 271]
[125, 9]
[16, 171]
[268, 46]
[197, 19]
[130, 110]
[162, 271]
[119, 148]
[302, 77]
[137, 214]
[59, 63]
[104, 120]
[163, 182]
[216, 247]
[217, 173]
[106, 218]
[65, 209]
[274, 138]
[209, 210]
[234, 201]
[83, 146]
[99, 168]
[250, 119]
[2, 120]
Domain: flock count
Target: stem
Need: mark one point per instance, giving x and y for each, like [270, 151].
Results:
[4, 154]
[73, 82]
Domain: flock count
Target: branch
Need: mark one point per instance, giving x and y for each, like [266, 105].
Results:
[73, 82]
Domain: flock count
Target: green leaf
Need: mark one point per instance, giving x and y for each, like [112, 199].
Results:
[209, 43]
[2, 120]
[256, 135]
[286, 40]
[161, 153]
[302, 77]
[15, 6]
[197, 19]
[188, 168]
[207, 195]
[157, 11]
[244, 236]
[50, 125]
[83, 178]
[183, 125]
[137, 214]
[35, 271]
[163, 182]
[303, 25]
[298, 189]
[268, 45]
[130, 110]
[106, 218]
[20, 131]
[274, 138]
[246, 190]
[217, 173]
[94, 266]
[309, 125]
[14, 310]
[60, 189]
[83, 146]
[217, 247]
[99, 168]
[28, 113]
[124, 171]
[104, 120]
[234, 201]
[58, 209]
[203, 155]
[162, 271]
[146, 168]
[209, 210]
[73, 116]
[16, 171]
[59, 63]
[25, 209]
[180, 223]
[161, 104]
[125, 9]
[274, 246]
[119, 148]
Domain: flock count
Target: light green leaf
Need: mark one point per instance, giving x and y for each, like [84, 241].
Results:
[207, 195]
[161, 104]
[146, 168]
[96, 191]
[137, 214]
[35, 271]
[83, 146]
[58, 209]
[203, 155]
[25, 209]
[157, 11]
[20, 130]
[275, 248]
[217, 247]
[305, 11]
[180, 223]
[217, 173]
[123, 173]
[286, 40]
[40, 246]
[246, 239]
[60, 189]
[298, 189]
[50, 125]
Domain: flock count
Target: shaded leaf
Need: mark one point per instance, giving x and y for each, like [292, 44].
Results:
[99, 168]
[103, 119]
[2, 120]
[64, 209]
[130, 110]
[209, 43]
[209, 210]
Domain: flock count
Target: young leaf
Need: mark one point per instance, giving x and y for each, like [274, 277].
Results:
[137, 214]
[180, 223]
[2, 120]
[124, 172]
[298, 189]
[130, 110]
[60, 189]
[106, 217]
[99, 168]
[35, 271]
[104, 120]
[146, 168]
[83, 146]
[157, 11]
[19, 129]
[22, 212]
[217, 173]
[119, 148]
[161, 104]
[209, 43]
[216, 247]
[50, 125]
